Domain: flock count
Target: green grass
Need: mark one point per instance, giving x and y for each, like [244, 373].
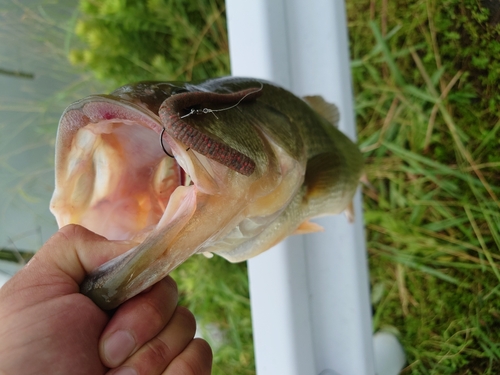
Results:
[127, 41]
[429, 135]
[426, 77]
[217, 293]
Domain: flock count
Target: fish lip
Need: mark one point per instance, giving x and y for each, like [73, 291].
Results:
[141, 111]
[82, 112]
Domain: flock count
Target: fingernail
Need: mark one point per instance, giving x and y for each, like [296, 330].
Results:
[125, 371]
[118, 347]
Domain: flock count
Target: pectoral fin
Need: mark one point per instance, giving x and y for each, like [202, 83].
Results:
[308, 227]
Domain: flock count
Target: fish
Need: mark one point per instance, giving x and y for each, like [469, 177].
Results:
[228, 166]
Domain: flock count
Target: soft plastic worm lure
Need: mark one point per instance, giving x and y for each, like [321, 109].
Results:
[181, 130]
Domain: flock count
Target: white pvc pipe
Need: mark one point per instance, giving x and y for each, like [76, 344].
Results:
[309, 294]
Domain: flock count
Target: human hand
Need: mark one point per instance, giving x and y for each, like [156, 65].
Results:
[48, 327]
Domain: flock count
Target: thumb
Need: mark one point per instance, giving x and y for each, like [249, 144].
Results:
[75, 251]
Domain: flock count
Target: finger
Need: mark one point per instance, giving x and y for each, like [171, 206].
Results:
[65, 259]
[76, 251]
[154, 357]
[196, 359]
[137, 321]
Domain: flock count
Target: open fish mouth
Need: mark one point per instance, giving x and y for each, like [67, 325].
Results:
[119, 185]
[178, 169]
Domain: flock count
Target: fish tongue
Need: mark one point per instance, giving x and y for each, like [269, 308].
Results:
[130, 273]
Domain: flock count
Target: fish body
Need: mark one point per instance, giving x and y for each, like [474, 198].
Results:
[241, 164]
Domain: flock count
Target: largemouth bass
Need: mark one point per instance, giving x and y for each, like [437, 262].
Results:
[229, 166]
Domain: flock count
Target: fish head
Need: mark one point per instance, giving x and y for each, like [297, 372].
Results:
[177, 169]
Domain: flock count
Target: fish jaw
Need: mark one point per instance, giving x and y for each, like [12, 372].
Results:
[113, 177]
[124, 276]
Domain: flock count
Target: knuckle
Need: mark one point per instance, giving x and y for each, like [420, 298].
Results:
[159, 352]
[185, 367]
[155, 316]
[196, 360]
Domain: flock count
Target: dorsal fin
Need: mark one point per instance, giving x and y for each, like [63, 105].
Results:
[328, 110]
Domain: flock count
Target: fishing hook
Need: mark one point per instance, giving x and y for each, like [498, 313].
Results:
[203, 143]
[162, 145]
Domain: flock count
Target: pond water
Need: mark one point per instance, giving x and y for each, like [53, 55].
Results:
[35, 37]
